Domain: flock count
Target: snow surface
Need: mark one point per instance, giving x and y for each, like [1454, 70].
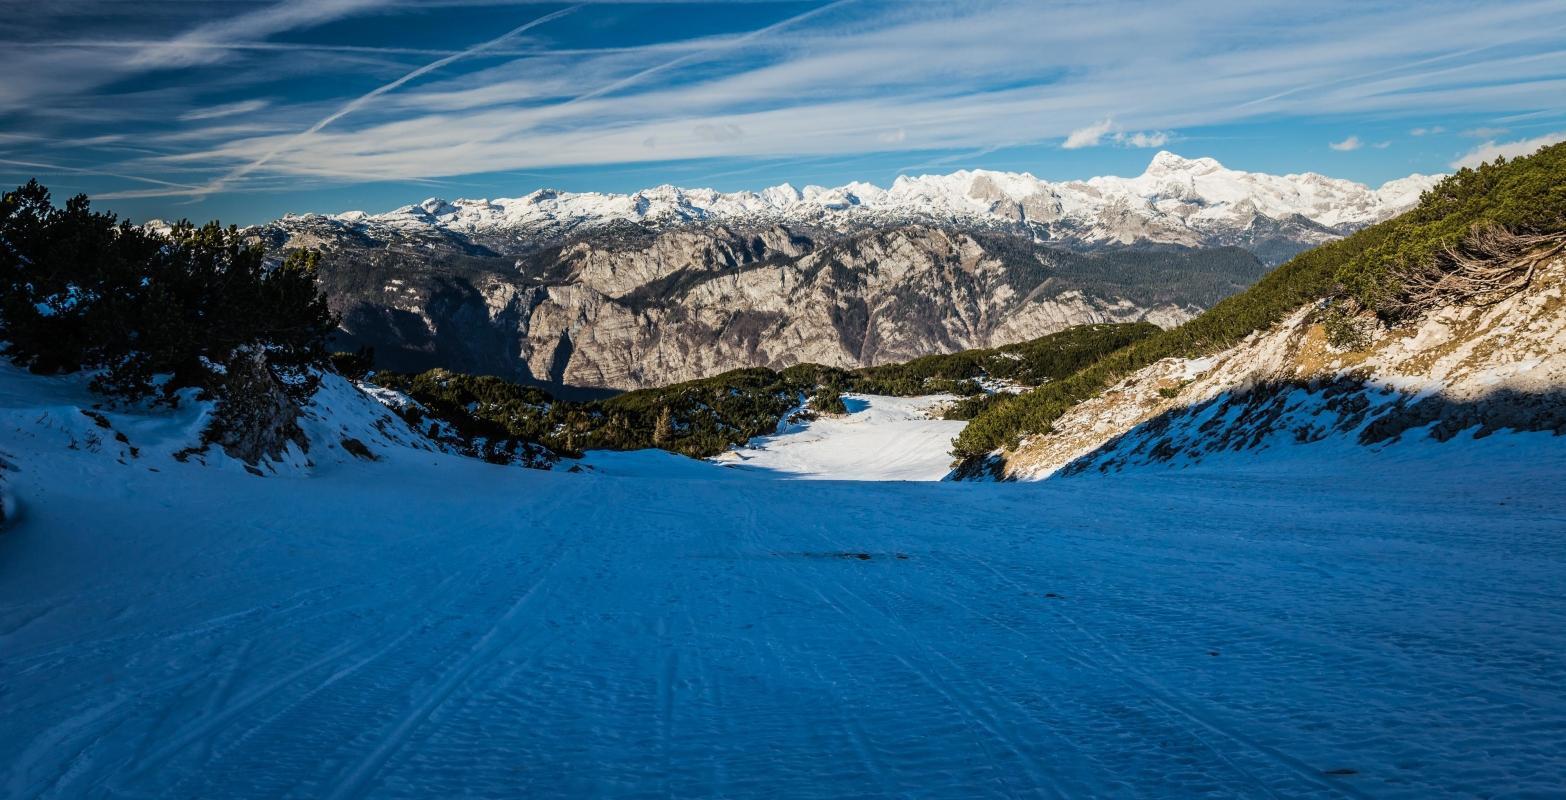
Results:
[430, 626]
[880, 439]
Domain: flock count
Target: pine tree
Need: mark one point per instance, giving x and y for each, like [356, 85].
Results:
[81, 290]
[663, 431]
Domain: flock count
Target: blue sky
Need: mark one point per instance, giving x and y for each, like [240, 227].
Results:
[246, 110]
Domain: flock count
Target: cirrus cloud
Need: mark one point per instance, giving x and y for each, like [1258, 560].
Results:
[760, 83]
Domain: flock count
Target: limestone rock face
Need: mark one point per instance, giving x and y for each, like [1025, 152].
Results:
[636, 307]
[621, 291]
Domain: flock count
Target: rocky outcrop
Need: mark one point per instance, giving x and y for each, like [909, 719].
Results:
[255, 419]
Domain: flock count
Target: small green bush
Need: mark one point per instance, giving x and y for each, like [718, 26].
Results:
[1346, 328]
[829, 401]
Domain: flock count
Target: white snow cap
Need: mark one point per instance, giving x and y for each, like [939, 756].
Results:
[1172, 197]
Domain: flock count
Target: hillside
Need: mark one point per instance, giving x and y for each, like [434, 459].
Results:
[1457, 374]
[1355, 292]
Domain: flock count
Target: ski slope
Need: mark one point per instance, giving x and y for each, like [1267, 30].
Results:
[879, 439]
[428, 626]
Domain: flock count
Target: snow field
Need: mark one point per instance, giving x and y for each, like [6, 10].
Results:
[880, 439]
[429, 626]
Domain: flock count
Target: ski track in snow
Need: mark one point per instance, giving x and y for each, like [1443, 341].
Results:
[428, 626]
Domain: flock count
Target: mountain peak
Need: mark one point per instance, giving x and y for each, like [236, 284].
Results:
[1166, 162]
[435, 207]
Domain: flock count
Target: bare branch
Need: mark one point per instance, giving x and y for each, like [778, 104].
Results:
[1490, 264]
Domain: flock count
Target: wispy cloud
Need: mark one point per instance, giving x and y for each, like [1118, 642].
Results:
[224, 110]
[362, 100]
[251, 99]
[39, 68]
[69, 170]
[204, 42]
[1491, 150]
[1089, 136]
[644, 74]
[1486, 133]
[880, 78]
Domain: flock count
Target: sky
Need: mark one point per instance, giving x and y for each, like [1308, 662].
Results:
[244, 111]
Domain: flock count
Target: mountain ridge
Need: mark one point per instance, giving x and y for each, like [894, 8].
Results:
[1175, 201]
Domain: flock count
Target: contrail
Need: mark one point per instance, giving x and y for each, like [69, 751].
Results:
[1397, 67]
[303, 47]
[727, 43]
[359, 102]
[39, 165]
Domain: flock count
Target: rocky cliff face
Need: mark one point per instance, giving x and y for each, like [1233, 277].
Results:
[1459, 371]
[636, 308]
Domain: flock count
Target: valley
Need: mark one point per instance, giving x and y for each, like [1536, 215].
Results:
[1293, 546]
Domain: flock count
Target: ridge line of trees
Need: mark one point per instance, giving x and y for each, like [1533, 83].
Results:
[151, 312]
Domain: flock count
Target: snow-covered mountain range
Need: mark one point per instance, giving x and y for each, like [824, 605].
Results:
[625, 291]
[1192, 202]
